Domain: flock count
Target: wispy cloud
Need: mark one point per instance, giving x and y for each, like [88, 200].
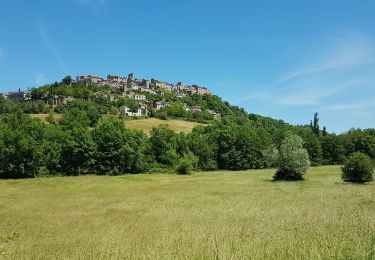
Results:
[342, 66]
[95, 4]
[47, 43]
[351, 106]
[341, 53]
[39, 78]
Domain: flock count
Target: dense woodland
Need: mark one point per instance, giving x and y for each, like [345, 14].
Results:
[90, 139]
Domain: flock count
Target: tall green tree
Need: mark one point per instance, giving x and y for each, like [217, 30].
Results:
[314, 124]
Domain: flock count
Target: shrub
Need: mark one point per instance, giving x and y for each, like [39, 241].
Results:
[358, 168]
[293, 159]
[187, 163]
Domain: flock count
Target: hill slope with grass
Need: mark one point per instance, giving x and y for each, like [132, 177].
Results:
[144, 124]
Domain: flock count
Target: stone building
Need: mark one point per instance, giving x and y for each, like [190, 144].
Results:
[89, 79]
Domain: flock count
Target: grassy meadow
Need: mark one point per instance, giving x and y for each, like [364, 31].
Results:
[220, 215]
[145, 124]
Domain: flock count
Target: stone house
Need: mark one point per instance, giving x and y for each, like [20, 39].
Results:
[159, 105]
[142, 111]
[89, 79]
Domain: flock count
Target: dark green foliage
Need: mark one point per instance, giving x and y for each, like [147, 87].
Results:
[74, 118]
[20, 155]
[239, 148]
[205, 148]
[332, 149]
[81, 142]
[77, 152]
[67, 80]
[293, 159]
[357, 168]
[163, 143]
[119, 150]
[314, 124]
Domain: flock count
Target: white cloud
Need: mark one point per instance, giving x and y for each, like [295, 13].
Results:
[340, 53]
[46, 41]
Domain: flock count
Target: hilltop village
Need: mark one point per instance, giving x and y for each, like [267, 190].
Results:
[148, 94]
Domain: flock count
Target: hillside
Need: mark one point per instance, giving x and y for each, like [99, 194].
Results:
[88, 134]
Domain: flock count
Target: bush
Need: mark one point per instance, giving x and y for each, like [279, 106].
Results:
[293, 160]
[187, 163]
[358, 168]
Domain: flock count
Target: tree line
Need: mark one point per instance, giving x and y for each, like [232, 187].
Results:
[84, 141]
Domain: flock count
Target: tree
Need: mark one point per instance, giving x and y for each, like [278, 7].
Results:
[119, 150]
[93, 115]
[358, 168]
[78, 150]
[324, 131]
[314, 124]
[67, 80]
[314, 148]
[187, 163]
[239, 148]
[205, 148]
[163, 145]
[20, 155]
[74, 118]
[293, 159]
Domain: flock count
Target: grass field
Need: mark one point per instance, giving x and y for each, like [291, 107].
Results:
[43, 117]
[221, 215]
[146, 124]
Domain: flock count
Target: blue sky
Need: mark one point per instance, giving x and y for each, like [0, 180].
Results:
[284, 59]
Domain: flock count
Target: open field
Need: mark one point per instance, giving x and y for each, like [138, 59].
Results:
[146, 124]
[43, 117]
[221, 215]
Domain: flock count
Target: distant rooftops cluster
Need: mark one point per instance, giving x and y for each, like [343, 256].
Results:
[131, 83]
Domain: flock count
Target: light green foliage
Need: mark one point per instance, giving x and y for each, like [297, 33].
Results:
[358, 168]
[271, 156]
[293, 159]
[187, 163]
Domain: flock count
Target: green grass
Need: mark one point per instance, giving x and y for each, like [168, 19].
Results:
[221, 215]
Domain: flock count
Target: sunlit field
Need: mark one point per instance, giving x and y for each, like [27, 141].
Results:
[145, 124]
[221, 215]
